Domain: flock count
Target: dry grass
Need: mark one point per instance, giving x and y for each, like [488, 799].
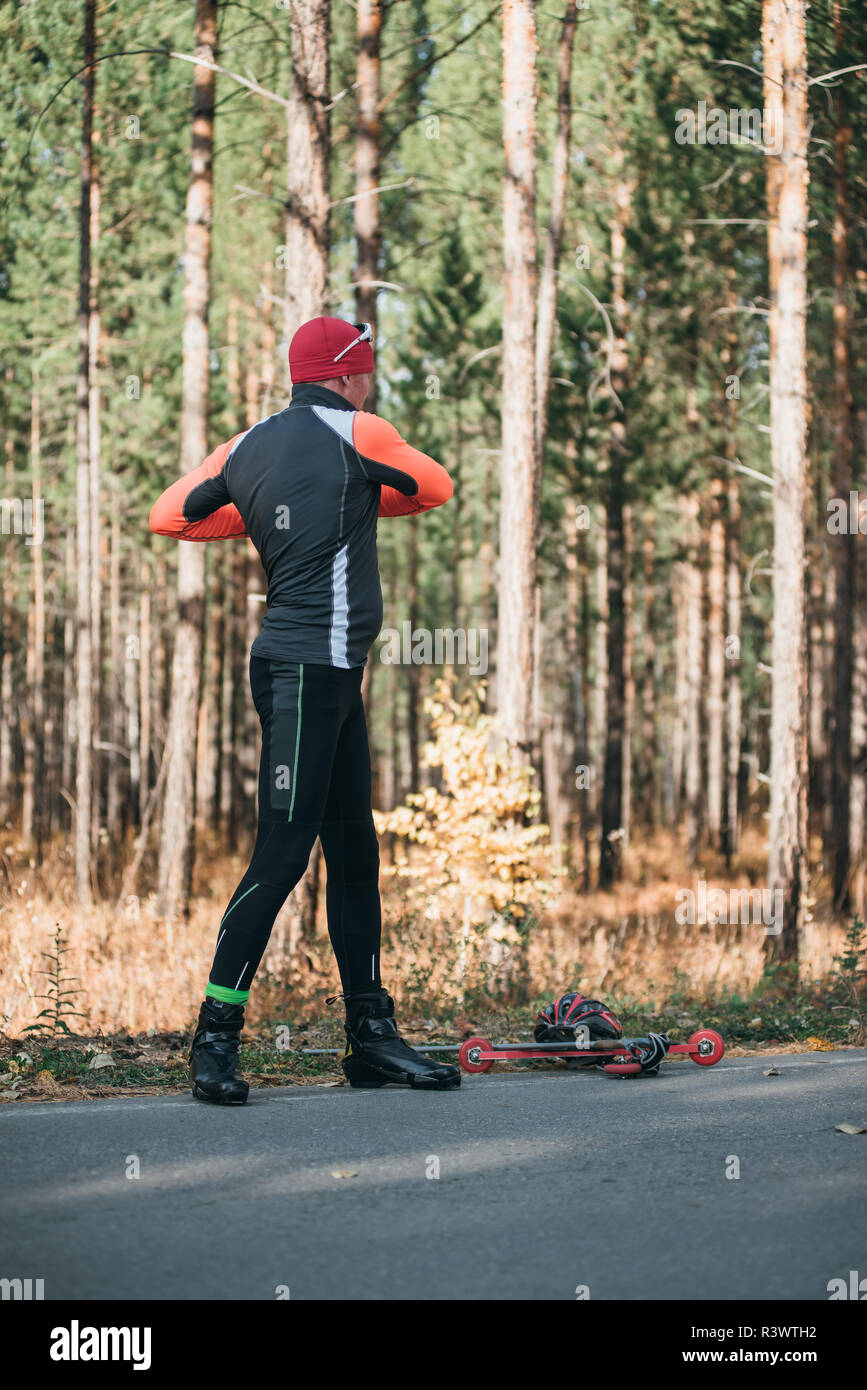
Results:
[136, 971]
[630, 942]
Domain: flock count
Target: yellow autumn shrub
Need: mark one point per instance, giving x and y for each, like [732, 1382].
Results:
[471, 871]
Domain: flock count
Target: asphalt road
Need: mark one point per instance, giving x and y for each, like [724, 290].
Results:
[547, 1182]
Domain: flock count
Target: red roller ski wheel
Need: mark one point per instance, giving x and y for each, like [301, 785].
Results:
[469, 1055]
[622, 1068]
[710, 1047]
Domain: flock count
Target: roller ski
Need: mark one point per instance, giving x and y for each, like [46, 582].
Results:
[585, 1032]
[376, 1054]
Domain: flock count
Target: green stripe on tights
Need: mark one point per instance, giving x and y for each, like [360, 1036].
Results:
[297, 740]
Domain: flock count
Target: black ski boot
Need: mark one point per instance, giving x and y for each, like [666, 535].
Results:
[214, 1073]
[376, 1053]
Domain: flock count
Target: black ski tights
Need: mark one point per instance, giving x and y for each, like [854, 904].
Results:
[314, 779]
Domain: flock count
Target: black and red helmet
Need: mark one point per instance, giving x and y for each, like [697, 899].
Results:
[558, 1021]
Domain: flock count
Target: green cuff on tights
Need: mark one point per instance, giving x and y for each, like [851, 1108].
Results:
[227, 996]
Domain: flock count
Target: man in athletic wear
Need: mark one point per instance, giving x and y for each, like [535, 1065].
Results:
[307, 485]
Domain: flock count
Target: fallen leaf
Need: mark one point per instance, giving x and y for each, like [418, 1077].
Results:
[820, 1045]
[101, 1059]
[852, 1129]
[45, 1081]
[772, 1072]
[341, 1172]
[24, 1058]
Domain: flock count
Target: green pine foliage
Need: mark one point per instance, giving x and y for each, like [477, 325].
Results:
[697, 213]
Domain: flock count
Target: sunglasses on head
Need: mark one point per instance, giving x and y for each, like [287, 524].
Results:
[365, 335]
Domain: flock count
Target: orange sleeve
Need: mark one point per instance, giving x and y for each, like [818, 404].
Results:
[197, 506]
[410, 480]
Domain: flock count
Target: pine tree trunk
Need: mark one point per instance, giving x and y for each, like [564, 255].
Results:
[252, 585]
[598, 708]
[820, 600]
[574, 620]
[67, 742]
[681, 689]
[34, 709]
[518, 471]
[844, 546]
[611, 844]
[308, 141]
[132, 660]
[858, 802]
[582, 700]
[628, 673]
[734, 604]
[113, 759]
[233, 684]
[368, 237]
[536, 698]
[268, 346]
[785, 59]
[246, 724]
[388, 784]
[486, 551]
[228, 669]
[547, 302]
[551, 765]
[102, 758]
[86, 560]
[145, 689]
[248, 582]
[716, 661]
[207, 734]
[692, 673]
[461, 584]
[7, 703]
[734, 703]
[413, 703]
[693, 676]
[176, 831]
[649, 784]
[610, 848]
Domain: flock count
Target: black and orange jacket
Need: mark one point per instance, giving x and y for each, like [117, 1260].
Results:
[307, 485]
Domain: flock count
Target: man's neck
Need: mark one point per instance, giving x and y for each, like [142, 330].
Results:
[314, 393]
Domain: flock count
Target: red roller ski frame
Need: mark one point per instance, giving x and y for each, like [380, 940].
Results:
[478, 1055]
